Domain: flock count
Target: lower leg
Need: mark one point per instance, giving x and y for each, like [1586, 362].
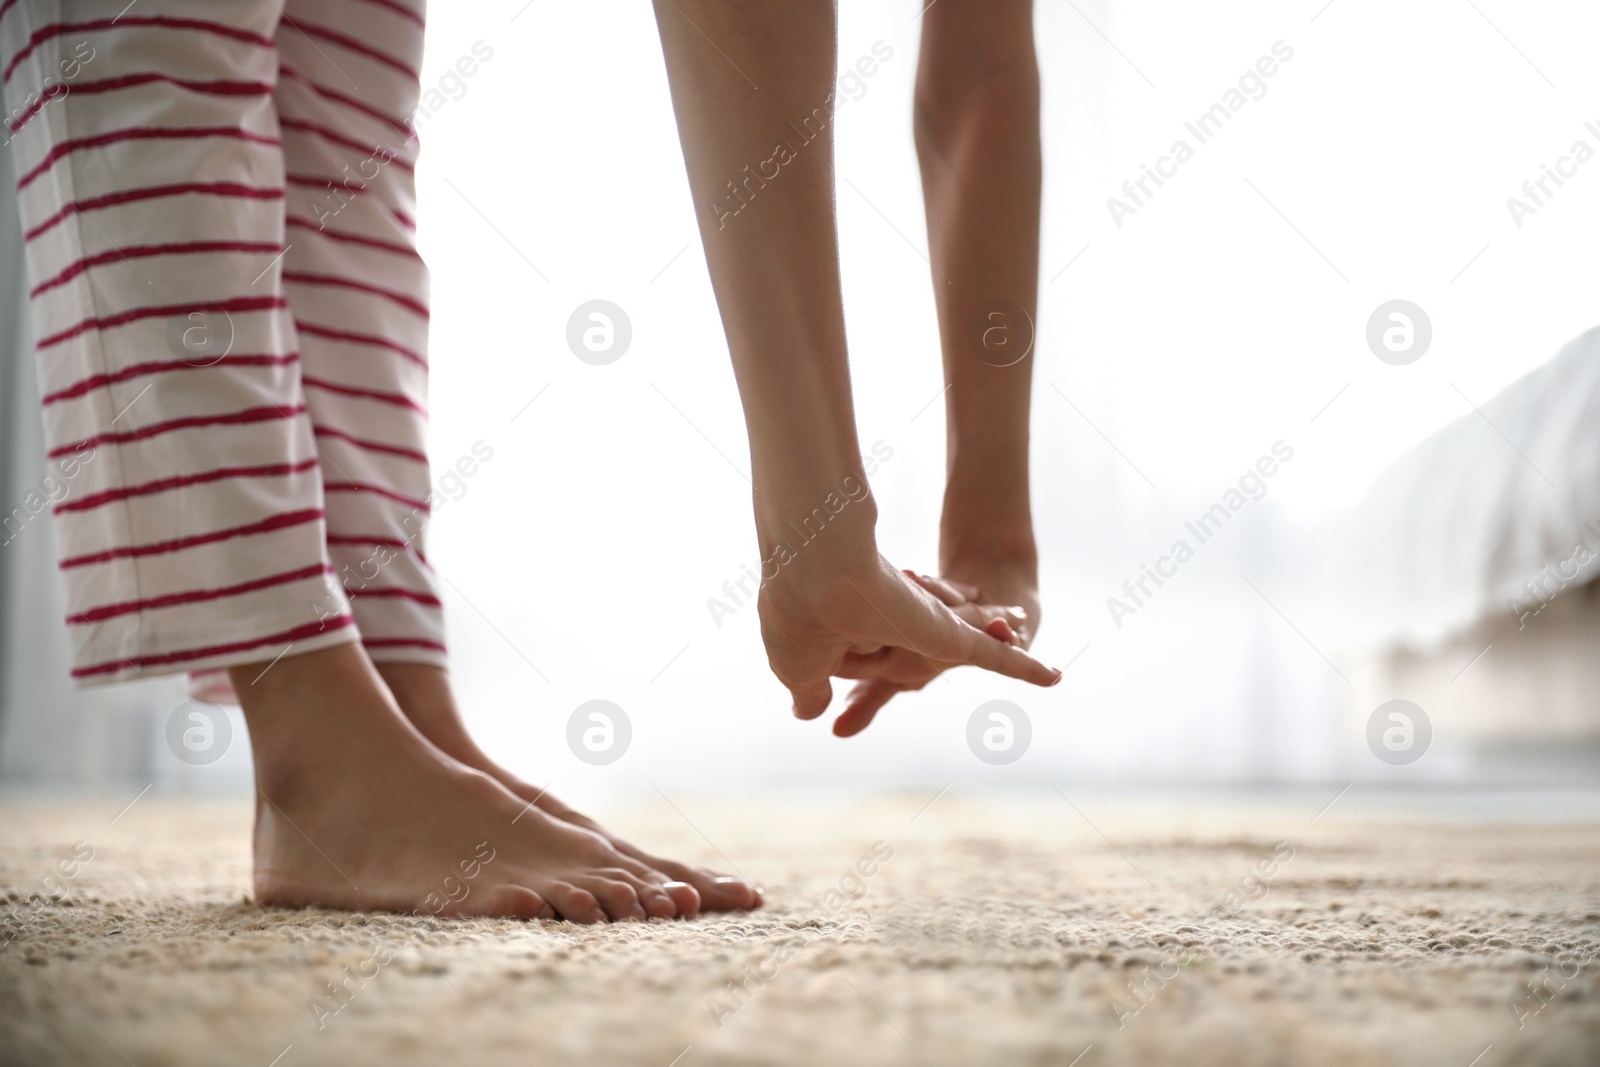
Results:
[425, 696]
[356, 809]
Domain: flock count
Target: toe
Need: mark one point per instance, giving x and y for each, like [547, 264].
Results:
[711, 892]
[515, 902]
[658, 903]
[649, 888]
[684, 896]
[634, 864]
[620, 900]
[575, 904]
[736, 892]
[655, 887]
[723, 892]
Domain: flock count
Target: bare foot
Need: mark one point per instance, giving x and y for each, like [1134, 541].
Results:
[357, 810]
[425, 696]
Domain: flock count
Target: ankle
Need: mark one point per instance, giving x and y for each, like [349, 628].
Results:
[311, 716]
[427, 700]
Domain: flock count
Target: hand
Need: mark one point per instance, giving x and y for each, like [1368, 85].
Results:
[1006, 608]
[874, 622]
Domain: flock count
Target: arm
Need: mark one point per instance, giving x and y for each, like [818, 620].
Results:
[760, 166]
[771, 245]
[977, 135]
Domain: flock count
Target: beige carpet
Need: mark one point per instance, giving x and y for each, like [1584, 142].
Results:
[996, 933]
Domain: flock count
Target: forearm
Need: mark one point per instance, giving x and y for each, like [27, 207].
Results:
[977, 132]
[760, 166]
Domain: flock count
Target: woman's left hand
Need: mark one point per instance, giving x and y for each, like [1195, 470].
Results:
[891, 671]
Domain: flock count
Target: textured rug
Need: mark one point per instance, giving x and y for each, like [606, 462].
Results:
[1037, 930]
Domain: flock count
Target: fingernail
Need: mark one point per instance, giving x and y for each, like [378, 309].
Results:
[673, 885]
[1060, 674]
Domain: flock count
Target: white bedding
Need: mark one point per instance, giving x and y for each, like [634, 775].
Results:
[1493, 513]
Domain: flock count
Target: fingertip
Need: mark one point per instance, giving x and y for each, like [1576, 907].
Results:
[849, 724]
[812, 701]
[1001, 630]
[844, 725]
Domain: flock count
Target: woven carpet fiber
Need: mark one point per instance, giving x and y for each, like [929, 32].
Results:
[1040, 929]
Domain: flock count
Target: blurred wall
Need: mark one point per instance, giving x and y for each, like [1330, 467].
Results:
[51, 736]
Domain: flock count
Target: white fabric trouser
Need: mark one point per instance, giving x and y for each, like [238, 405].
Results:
[230, 318]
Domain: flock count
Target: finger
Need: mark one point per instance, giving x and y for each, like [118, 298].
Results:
[856, 667]
[983, 616]
[866, 700]
[812, 699]
[940, 635]
[1001, 630]
[966, 589]
[1016, 617]
[900, 666]
[948, 594]
[912, 618]
[964, 644]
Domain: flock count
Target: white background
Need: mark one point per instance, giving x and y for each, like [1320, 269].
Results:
[1219, 319]
[1172, 352]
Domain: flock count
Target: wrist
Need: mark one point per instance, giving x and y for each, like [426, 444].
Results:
[1001, 534]
[1011, 550]
[829, 522]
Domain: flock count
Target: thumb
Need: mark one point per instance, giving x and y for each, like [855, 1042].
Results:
[811, 698]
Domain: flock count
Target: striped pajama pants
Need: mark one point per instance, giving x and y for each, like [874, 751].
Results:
[230, 318]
